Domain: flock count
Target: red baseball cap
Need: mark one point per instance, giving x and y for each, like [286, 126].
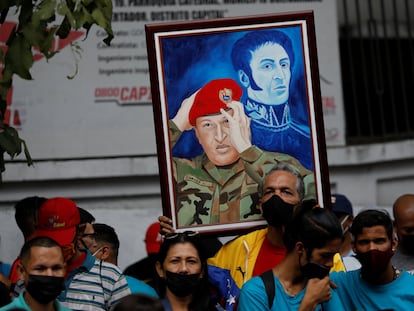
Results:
[153, 238]
[57, 219]
[214, 96]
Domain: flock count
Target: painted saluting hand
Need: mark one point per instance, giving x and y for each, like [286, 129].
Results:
[239, 125]
[181, 119]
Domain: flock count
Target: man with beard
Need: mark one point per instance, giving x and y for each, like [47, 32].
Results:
[403, 211]
[42, 269]
[378, 285]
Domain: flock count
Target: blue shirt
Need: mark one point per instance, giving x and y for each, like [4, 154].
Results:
[357, 294]
[19, 302]
[138, 287]
[253, 296]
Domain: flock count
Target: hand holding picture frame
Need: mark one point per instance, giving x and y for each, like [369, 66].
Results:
[233, 97]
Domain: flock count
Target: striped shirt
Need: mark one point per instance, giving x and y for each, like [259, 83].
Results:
[95, 285]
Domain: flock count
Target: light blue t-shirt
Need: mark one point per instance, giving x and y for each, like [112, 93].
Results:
[138, 287]
[357, 294]
[253, 296]
[19, 302]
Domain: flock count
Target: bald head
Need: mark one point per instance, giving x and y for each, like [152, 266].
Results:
[403, 207]
[403, 211]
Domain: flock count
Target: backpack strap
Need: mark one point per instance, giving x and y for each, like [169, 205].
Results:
[269, 283]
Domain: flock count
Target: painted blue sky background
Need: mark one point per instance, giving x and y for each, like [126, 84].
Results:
[191, 61]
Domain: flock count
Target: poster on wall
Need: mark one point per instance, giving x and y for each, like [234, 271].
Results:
[233, 99]
[106, 109]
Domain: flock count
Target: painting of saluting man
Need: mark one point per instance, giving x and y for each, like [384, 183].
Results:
[221, 184]
[236, 103]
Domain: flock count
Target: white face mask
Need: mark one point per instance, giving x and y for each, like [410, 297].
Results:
[344, 230]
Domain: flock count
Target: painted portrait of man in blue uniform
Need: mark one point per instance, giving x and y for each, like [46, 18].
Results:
[269, 66]
[263, 61]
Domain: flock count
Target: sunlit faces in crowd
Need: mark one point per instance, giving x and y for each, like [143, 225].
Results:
[270, 68]
[213, 133]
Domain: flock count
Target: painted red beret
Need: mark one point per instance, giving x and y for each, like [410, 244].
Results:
[213, 96]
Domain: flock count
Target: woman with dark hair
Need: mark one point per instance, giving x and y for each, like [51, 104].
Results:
[182, 273]
[300, 281]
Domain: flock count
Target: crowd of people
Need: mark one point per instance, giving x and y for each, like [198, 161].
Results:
[300, 261]
[305, 258]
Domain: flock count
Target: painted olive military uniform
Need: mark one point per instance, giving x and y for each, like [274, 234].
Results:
[207, 194]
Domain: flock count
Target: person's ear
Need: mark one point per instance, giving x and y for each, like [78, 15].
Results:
[21, 272]
[354, 244]
[244, 78]
[159, 269]
[349, 221]
[106, 253]
[300, 248]
[394, 242]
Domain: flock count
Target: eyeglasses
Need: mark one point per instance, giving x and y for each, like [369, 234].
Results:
[175, 235]
[91, 235]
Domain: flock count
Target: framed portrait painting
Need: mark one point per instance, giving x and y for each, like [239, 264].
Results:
[234, 99]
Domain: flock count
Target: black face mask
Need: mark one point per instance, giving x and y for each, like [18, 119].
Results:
[407, 243]
[313, 270]
[45, 288]
[277, 212]
[182, 285]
